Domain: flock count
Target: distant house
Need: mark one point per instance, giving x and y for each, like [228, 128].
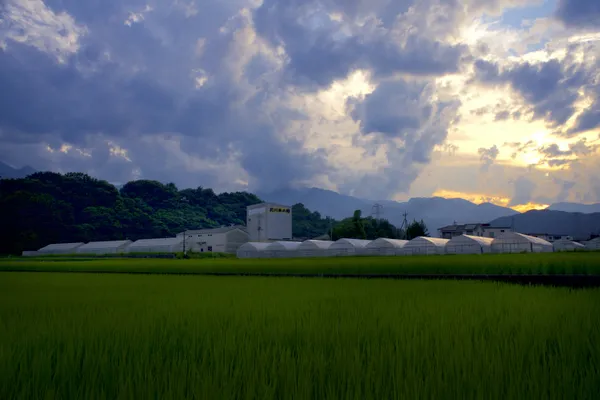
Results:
[477, 229]
[550, 237]
[223, 240]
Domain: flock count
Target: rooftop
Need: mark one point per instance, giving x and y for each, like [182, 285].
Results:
[222, 229]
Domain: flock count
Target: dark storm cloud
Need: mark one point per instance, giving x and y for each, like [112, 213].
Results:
[579, 13]
[402, 116]
[552, 88]
[321, 49]
[127, 83]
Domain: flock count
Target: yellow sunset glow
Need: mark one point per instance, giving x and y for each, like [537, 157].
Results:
[479, 198]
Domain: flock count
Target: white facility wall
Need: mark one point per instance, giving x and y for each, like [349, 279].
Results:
[281, 253]
[593, 245]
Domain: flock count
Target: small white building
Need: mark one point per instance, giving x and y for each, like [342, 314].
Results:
[282, 249]
[466, 244]
[513, 242]
[314, 248]
[385, 247]
[223, 240]
[106, 247]
[165, 245]
[593, 244]
[348, 247]
[59, 248]
[567, 245]
[424, 245]
[252, 250]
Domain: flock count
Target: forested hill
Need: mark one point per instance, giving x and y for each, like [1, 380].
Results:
[47, 207]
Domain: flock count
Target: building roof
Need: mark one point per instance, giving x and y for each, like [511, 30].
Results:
[382, 242]
[266, 204]
[61, 246]
[223, 229]
[109, 244]
[461, 227]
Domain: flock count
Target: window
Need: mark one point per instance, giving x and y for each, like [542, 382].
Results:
[492, 234]
[501, 230]
[199, 235]
[209, 248]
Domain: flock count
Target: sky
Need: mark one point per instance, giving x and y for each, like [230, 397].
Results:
[489, 100]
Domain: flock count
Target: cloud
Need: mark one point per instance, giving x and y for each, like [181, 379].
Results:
[32, 23]
[405, 119]
[523, 189]
[487, 156]
[327, 40]
[579, 13]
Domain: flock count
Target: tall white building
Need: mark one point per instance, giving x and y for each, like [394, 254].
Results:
[267, 222]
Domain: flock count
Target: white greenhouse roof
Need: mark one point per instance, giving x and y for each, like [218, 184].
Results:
[386, 242]
[359, 243]
[111, 244]
[567, 242]
[158, 242]
[259, 246]
[315, 244]
[509, 237]
[283, 245]
[61, 246]
[483, 241]
[424, 240]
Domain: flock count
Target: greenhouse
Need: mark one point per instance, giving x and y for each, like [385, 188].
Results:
[423, 245]
[513, 242]
[252, 250]
[282, 249]
[385, 247]
[348, 247]
[107, 247]
[567, 245]
[466, 244]
[314, 248]
[165, 245]
[59, 248]
[593, 244]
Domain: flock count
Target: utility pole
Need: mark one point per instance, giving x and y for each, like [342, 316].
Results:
[404, 225]
[184, 238]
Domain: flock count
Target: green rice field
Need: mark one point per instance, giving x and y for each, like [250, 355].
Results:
[109, 336]
[587, 263]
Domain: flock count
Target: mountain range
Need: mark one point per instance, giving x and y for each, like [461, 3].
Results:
[434, 211]
[8, 172]
[577, 220]
[578, 225]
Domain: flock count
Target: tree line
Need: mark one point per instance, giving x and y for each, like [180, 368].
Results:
[48, 207]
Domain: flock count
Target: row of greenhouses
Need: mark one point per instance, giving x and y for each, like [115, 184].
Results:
[509, 242]
[164, 245]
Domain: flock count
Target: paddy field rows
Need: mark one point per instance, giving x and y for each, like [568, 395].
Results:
[170, 335]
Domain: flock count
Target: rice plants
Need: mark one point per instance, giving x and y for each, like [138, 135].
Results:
[94, 336]
[549, 263]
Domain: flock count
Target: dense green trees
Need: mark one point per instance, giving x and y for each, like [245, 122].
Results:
[416, 229]
[369, 228]
[47, 207]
